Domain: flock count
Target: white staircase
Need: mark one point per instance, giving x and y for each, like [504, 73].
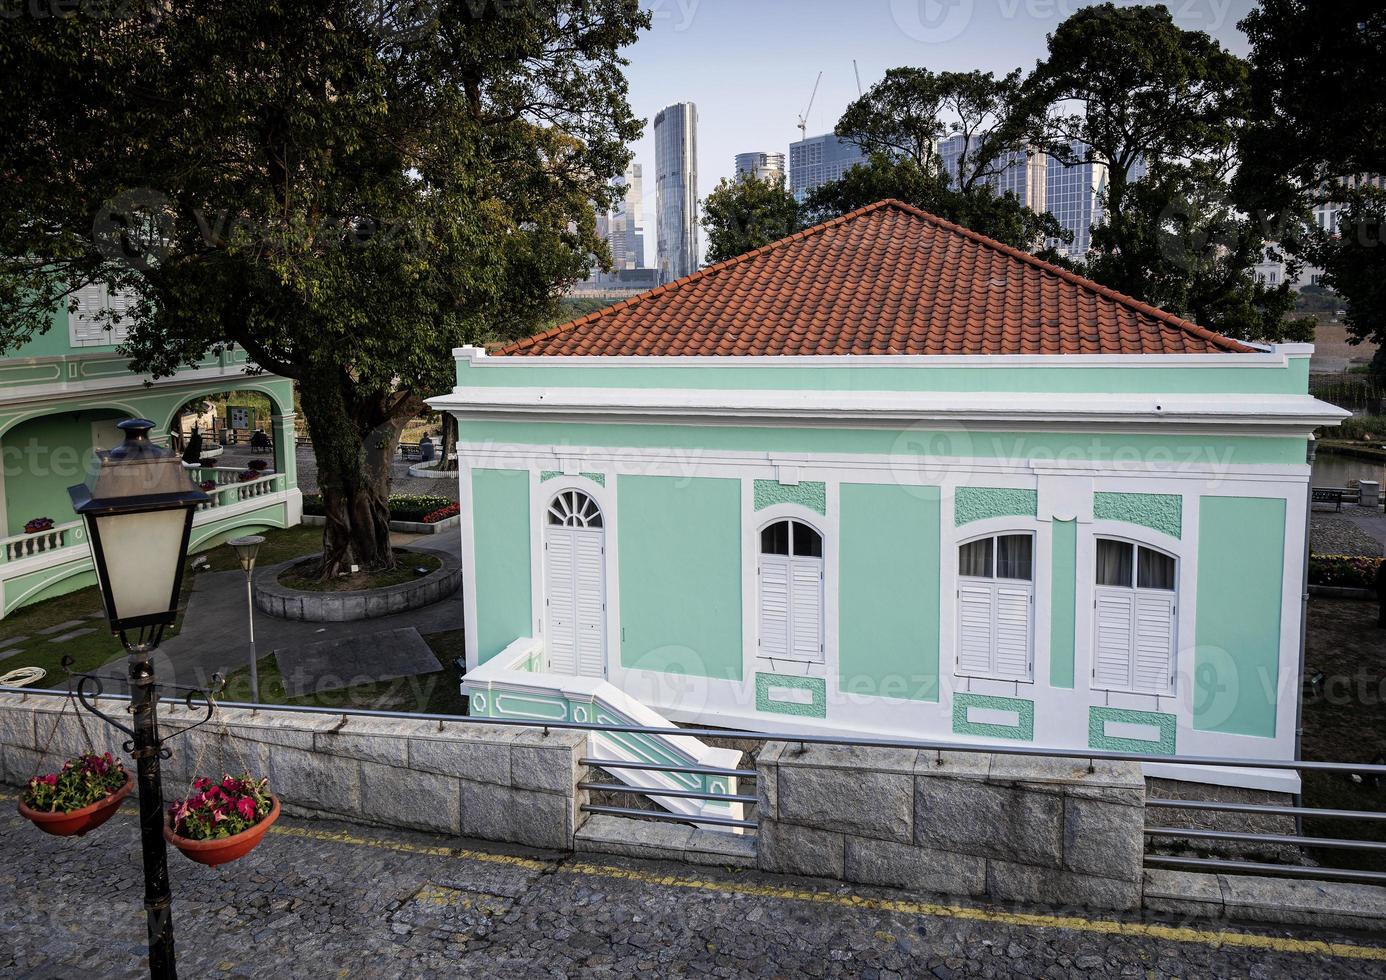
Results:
[516, 684]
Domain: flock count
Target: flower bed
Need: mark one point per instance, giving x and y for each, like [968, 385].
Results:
[38, 525]
[1344, 571]
[257, 465]
[442, 513]
[420, 508]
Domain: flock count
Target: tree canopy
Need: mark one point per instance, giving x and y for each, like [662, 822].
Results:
[747, 212]
[347, 189]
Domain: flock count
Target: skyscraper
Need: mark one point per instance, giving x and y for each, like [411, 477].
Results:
[762, 166]
[1074, 196]
[626, 223]
[816, 160]
[676, 189]
[1016, 171]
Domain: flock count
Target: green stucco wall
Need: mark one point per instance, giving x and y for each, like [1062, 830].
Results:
[1201, 449]
[888, 586]
[680, 574]
[1241, 562]
[979, 503]
[1063, 586]
[1161, 512]
[500, 539]
[812, 494]
[42, 458]
[520, 372]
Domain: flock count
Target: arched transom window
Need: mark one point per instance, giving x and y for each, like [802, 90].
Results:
[573, 508]
[1134, 617]
[996, 599]
[790, 586]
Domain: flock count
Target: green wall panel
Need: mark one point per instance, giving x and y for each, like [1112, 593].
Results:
[521, 372]
[888, 591]
[680, 575]
[1161, 512]
[1241, 561]
[812, 494]
[1098, 738]
[42, 458]
[1022, 731]
[1128, 446]
[979, 503]
[500, 538]
[1062, 591]
[815, 707]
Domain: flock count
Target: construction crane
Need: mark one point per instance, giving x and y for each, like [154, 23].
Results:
[803, 118]
[858, 74]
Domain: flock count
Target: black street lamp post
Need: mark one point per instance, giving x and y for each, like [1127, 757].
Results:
[138, 509]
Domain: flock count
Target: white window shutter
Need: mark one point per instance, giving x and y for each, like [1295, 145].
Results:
[589, 601]
[87, 324]
[976, 617]
[806, 605]
[774, 606]
[1114, 614]
[1154, 642]
[1012, 631]
[561, 616]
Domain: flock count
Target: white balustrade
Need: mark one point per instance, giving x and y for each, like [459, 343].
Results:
[20, 546]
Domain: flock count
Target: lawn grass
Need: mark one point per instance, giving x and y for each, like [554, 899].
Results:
[94, 649]
[435, 693]
[1345, 721]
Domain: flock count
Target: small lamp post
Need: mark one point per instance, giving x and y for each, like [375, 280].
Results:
[138, 508]
[246, 550]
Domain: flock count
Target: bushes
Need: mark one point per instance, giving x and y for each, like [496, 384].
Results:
[1344, 571]
[403, 506]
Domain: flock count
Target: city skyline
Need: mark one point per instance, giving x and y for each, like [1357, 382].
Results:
[750, 68]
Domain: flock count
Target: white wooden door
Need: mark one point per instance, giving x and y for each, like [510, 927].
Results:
[575, 600]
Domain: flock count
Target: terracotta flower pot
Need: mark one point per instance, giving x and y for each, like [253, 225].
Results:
[75, 823]
[223, 849]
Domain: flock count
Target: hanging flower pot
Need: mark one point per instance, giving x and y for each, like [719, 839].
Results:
[81, 797]
[223, 821]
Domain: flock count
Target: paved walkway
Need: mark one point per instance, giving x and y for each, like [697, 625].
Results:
[217, 639]
[319, 899]
[1354, 531]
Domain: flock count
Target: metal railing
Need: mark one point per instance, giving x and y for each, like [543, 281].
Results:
[1090, 757]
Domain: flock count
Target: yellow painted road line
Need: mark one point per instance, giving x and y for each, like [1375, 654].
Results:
[1139, 930]
[1110, 927]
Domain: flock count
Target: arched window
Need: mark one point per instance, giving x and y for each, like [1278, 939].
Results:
[573, 508]
[1134, 610]
[790, 586]
[996, 599]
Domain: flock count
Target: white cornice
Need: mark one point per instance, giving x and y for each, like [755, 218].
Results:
[798, 406]
[1271, 356]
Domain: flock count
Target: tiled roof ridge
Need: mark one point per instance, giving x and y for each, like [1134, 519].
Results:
[625, 304]
[1130, 302]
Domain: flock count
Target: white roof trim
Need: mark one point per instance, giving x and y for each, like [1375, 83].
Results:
[906, 406]
[1271, 356]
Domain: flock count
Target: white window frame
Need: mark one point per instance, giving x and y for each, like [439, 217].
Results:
[994, 584]
[789, 656]
[85, 326]
[1168, 689]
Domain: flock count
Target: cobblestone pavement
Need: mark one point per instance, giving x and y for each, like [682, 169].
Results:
[402, 482]
[1353, 532]
[318, 899]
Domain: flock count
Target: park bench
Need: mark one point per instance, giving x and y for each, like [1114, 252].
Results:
[1330, 495]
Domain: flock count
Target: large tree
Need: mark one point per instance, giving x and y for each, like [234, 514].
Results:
[747, 212]
[347, 189]
[1317, 124]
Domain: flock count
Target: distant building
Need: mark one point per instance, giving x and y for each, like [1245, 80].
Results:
[762, 166]
[1017, 172]
[626, 223]
[1073, 195]
[1326, 213]
[676, 189]
[817, 160]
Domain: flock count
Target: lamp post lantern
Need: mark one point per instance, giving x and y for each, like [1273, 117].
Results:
[246, 549]
[138, 508]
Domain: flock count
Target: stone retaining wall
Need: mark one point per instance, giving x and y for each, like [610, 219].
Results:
[486, 781]
[277, 599]
[1002, 827]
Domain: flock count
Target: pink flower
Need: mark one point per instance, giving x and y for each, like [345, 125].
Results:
[246, 806]
[51, 779]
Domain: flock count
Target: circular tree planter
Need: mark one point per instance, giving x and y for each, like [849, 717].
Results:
[278, 599]
[75, 823]
[223, 849]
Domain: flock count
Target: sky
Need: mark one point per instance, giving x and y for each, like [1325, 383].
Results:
[749, 65]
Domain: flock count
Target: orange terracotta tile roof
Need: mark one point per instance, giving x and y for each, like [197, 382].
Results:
[885, 279]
